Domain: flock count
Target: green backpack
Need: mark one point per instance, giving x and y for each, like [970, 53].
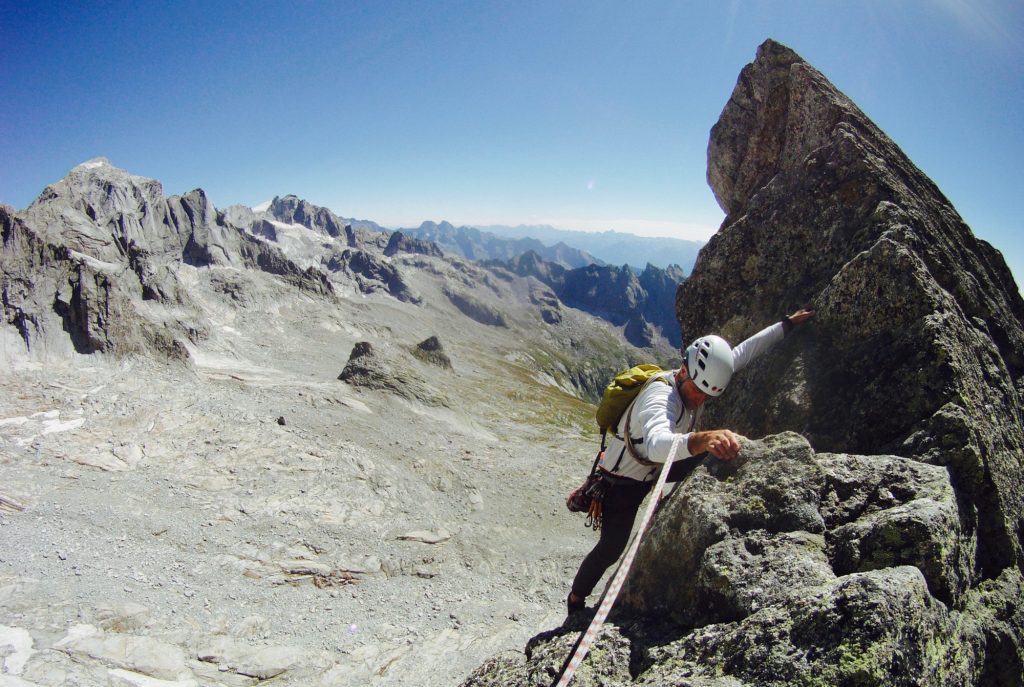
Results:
[617, 397]
[620, 392]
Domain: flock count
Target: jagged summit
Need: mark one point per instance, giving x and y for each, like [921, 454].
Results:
[295, 210]
[97, 187]
[918, 346]
[104, 262]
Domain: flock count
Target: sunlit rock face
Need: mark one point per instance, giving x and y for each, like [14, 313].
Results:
[918, 346]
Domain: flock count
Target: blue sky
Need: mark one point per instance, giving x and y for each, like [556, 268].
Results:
[582, 114]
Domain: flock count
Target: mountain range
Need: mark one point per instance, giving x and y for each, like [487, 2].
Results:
[100, 216]
[569, 249]
[612, 247]
[638, 300]
[474, 244]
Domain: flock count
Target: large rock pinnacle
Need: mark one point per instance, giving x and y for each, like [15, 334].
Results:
[918, 347]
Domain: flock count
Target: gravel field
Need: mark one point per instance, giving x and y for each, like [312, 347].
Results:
[247, 517]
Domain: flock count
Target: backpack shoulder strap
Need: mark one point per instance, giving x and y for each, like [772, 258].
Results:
[627, 437]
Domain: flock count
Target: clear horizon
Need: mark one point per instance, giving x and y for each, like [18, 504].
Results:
[588, 116]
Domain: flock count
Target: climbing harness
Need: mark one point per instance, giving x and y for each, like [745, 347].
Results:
[611, 592]
[589, 497]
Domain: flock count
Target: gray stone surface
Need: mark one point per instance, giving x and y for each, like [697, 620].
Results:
[918, 345]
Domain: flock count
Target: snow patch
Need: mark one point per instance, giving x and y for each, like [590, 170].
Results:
[98, 265]
[262, 207]
[79, 631]
[292, 227]
[94, 163]
[51, 423]
[13, 421]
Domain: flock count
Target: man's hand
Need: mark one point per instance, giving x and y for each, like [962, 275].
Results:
[801, 316]
[723, 444]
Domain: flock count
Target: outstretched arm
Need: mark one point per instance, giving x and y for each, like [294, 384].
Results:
[766, 338]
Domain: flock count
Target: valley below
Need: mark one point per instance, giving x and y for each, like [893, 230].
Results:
[246, 516]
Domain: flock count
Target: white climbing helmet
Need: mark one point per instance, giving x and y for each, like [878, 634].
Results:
[709, 363]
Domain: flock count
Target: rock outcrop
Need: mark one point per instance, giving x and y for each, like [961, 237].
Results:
[475, 308]
[400, 243]
[884, 545]
[918, 345]
[431, 351]
[386, 368]
[371, 273]
[547, 303]
[791, 567]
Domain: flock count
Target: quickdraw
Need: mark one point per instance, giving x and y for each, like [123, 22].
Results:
[595, 512]
[589, 497]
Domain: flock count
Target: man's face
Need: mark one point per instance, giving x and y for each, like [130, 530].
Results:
[693, 397]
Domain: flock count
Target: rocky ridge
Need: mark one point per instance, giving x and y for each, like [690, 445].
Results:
[474, 244]
[643, 304]
[874, 535]
[611, 247]
[918, 346]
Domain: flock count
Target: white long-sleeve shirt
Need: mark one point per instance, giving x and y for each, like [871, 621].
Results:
[658, 416]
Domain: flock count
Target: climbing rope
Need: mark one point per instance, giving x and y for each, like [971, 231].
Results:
[611, 592]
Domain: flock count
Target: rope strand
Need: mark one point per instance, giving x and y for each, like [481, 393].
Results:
[611, 592]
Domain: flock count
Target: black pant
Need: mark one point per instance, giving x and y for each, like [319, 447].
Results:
[621, 503]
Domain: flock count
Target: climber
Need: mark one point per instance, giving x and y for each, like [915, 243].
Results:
[660, 413]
